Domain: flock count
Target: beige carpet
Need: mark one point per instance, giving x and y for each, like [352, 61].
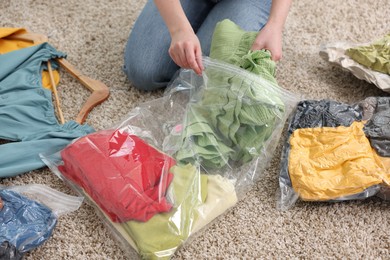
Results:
[93, 34]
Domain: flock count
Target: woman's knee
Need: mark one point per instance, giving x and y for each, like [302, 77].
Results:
[139, 79]
[147, 77]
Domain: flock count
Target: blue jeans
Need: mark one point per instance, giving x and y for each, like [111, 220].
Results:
[147, 62]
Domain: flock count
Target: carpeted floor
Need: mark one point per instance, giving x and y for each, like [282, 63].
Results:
[93, 34]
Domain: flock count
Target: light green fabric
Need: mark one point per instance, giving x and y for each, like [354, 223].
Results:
[231, 44]
[204, 144]
[234, 114]
[159, 237]
[221, 195]
[375, 56]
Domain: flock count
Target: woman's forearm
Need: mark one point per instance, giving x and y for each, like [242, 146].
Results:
[185, 49]
[173, 15]
[270, 36]
[279, 12]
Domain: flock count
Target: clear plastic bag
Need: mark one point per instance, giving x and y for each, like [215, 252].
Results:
[28, 216]
[336, 152]
[176, 163]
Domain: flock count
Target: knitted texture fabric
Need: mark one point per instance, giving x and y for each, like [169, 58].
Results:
[233, 45]
[233, 115]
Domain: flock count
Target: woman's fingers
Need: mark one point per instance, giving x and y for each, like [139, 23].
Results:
[198, 57]
[187, 58]
[187, 54]
[193, 60]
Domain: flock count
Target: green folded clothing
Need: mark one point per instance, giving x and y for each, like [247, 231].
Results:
[235, 114]
[159, 237]
[375, 56]
[231, 44]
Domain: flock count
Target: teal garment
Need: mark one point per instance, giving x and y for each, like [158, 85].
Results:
[232, 116]
[375, 56]
[27, 116]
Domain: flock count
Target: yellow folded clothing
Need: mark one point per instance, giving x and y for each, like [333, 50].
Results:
[327, 163]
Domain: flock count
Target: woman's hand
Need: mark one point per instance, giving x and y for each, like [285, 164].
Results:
[269, 38]
[185, 50]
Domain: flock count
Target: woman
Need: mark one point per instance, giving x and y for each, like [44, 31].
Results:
[176, 33]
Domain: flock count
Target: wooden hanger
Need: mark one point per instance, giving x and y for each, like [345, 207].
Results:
[100, 91]
[54, 88]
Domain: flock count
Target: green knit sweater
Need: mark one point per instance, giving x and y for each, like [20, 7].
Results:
[235, 114]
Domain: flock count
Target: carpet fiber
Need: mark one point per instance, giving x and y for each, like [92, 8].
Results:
[93, 33]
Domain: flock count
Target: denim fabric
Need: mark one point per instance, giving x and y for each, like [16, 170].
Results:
[27, 114]
[147, 62]
[25, 223]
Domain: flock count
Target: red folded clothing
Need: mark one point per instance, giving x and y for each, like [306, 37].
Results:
[123, 174]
